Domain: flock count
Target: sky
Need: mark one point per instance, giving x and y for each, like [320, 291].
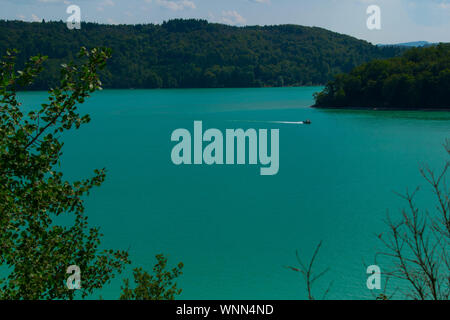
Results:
[401, 20]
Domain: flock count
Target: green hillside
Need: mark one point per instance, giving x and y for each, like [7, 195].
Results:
[195, 53]
[419, 79]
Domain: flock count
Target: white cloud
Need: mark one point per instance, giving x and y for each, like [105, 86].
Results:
[176, 5]
[105, 3]
[112, 21]
[55, 1]
[233, 17]
[35, 18]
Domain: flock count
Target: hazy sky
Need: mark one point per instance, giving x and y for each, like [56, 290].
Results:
[401, 20]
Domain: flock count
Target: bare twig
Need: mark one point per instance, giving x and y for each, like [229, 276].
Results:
[308, 273]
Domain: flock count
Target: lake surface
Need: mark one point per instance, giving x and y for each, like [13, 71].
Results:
[234, 229]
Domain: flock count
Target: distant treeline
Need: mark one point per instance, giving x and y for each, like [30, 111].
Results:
[195, 53]
[420, 78]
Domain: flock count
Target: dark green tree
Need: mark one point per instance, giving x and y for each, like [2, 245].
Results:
[420, 79]
[35, 251]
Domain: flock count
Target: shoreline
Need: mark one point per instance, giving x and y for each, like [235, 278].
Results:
[187, 88]
[382, 109]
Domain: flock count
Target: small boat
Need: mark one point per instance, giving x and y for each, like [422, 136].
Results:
[307, 122]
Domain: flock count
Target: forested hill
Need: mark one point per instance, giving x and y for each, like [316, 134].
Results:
[195, 53]
[419, 79]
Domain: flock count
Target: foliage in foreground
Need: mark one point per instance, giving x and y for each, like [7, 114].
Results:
[418, 79]
[33, 191]
[160, 286]
[415, 249]
[35, 250]
[418, 243]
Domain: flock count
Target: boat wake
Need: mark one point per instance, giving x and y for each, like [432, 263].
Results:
[288, 122]
[278, 122]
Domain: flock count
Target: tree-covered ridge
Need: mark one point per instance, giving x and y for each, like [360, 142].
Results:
[419, 79]
[195, 53]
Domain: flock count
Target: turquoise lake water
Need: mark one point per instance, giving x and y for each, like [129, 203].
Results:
[234, 229]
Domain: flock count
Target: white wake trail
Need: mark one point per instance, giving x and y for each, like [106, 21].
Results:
[261, 121]
[287, 122]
